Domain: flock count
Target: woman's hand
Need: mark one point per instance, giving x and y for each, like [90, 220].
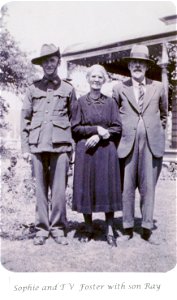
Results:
[103, 133]
[92, 141]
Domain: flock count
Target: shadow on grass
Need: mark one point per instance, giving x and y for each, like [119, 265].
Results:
[99, 228]
[78, 228]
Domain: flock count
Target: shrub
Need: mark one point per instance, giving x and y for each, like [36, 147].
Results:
[18, 197]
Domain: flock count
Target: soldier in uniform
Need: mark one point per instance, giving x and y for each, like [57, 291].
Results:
[46, 138]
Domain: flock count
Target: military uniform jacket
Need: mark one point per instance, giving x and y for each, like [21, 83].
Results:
[45, 117]
[154, 115]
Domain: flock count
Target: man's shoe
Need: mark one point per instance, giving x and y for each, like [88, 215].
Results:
[147, 236]
[153, 241]
[146, 233]
[127, 235]
[124, 238]
[61, 240]
[39, 240]
[111, 241]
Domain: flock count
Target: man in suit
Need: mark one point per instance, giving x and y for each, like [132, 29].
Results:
[46, 136]
[143, 110]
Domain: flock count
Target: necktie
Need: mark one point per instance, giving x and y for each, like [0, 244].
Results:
[141, 96]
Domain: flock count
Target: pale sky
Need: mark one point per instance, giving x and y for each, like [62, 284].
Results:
[65, 23]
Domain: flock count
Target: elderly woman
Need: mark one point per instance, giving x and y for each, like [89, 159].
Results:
[96, 130]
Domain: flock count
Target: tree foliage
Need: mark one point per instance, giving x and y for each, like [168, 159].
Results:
[4, 108]
[15, 67]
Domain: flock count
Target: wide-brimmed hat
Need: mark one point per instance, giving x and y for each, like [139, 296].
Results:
[140, 52]
[46, 51]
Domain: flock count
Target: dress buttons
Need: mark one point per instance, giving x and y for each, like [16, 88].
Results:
[45, 122]
[46, 111]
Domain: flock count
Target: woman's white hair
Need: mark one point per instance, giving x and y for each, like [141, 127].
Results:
[99, 68]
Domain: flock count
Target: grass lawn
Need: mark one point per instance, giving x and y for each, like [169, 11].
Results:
[19, 255]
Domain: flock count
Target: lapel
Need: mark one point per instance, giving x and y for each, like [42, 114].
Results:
[129, 94]
[150, 90]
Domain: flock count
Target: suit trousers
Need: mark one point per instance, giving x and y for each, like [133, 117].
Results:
[141, 170]
[50, 170]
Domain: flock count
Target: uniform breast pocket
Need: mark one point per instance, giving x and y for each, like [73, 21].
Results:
[61, 132]
[39, 103]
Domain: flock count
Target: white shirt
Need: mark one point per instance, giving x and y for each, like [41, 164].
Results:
[136, 88]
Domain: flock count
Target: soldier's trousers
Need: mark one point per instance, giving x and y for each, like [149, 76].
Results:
[50, 170]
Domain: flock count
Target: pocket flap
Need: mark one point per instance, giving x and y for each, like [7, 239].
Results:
[60, 94]
[61, 124]
[38, 94]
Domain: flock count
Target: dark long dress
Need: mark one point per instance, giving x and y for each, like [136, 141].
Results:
[97, 186]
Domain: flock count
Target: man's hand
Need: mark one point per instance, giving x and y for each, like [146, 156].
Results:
[92, 141]
[103, 133]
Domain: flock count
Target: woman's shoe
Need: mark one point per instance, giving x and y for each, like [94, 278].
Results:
[111, 241]
[86, 237]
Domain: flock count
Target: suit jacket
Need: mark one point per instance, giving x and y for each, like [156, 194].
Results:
[154, 114]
